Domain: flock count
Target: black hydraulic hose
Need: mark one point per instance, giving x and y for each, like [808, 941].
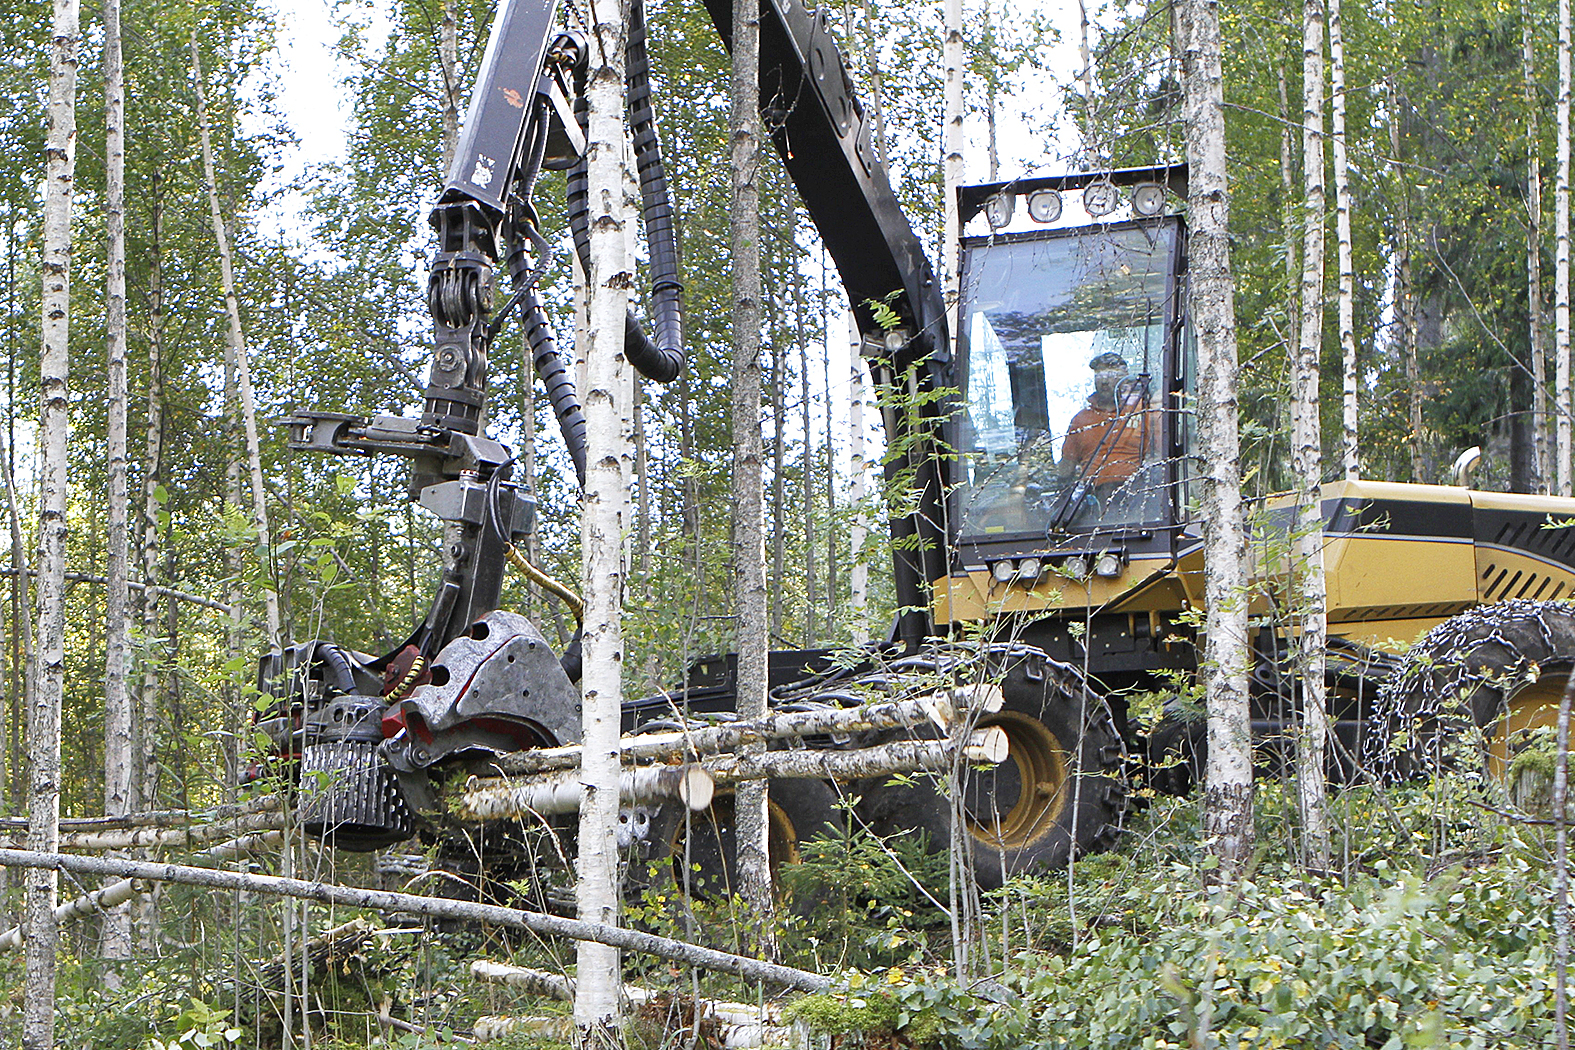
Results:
[555, 376]
[667, 353]
[663, 358]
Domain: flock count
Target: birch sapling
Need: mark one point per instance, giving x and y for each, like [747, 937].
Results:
[608, 386]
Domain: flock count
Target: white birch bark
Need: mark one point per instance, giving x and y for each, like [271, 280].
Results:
[749, 554]
[1561, 260]
[43, 722]
[952, 150]
[116, 933]
[236, 348]
[1350, 453]
[1405, 290]
[448, 63]
[858, 533]
[1228, 780]
[1539, 351]
[608, 399]
[1307, 458]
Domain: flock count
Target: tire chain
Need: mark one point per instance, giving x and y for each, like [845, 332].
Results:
[1435, 693]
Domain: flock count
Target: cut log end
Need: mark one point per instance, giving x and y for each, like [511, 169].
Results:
[989, 745]
[696, 788]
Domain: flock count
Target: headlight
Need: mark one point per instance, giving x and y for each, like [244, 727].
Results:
[1101, 198]
[1148, 199]
[1003, 571]
[1028, 569]
[1044, 205]
[1076, 567]
[1108, 564]
[998, 210]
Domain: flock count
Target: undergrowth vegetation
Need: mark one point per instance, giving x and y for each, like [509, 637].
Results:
[1436, 930]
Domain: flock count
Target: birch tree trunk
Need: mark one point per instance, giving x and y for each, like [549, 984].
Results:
[608, 390]
[116, 935]
[1307, 458]
[1561, 259]
[236, 345]
[858, 532]
[448, 61]
[749, 553]
[145, 730]
[1539, 363]
[1350, 453]
[778, 483]
[1227, 796]
[43, 723]
[952, 152]
[1405, 291]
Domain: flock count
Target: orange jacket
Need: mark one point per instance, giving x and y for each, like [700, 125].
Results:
[1122, 453]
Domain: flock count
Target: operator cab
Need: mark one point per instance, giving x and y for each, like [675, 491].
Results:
[1071, 365]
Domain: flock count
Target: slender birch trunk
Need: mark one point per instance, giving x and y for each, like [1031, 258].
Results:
[749, 568]
[153, 498]
[1405, 290]
[992, 150]
[236, 345]
[877, 101]
[1086, 75]
[807, 502]
[1227, 796]
[1561, 259]
[1307, 459]
[1288, 215]
[448, 61]
[1539, 352]
[859, 573]
[116, 935]
[778, 483]
[1350, 453]
[43, 723]
[608, 390]
[952, 153]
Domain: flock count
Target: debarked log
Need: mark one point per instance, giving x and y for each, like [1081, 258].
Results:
[547, 794]
[561, 1029]
[945, 709]
[558, 793]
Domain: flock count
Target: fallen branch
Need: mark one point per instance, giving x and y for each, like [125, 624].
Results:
[163, 592]
[171, 838]
[327, 946]
[119, 892]
[165, 818]
[437, 907]
[557, 793]
[944, 709]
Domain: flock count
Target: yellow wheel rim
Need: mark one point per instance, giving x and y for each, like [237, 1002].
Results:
[1040, 765]
[1533, 706]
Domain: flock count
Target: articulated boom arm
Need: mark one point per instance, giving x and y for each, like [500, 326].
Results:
[470, 677]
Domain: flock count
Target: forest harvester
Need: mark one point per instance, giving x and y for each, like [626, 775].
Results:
[1052, 549]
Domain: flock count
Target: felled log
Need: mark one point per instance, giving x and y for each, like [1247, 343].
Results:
[943, 708]
[557, 986]
[735, 1024]
[544, 794]
[984, 746]
[557, 793]
[562, 1029]
[170, 838]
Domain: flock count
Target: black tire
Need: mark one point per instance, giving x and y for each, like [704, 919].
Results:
[695, 852]
[1468, 686]
[1060, 787]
